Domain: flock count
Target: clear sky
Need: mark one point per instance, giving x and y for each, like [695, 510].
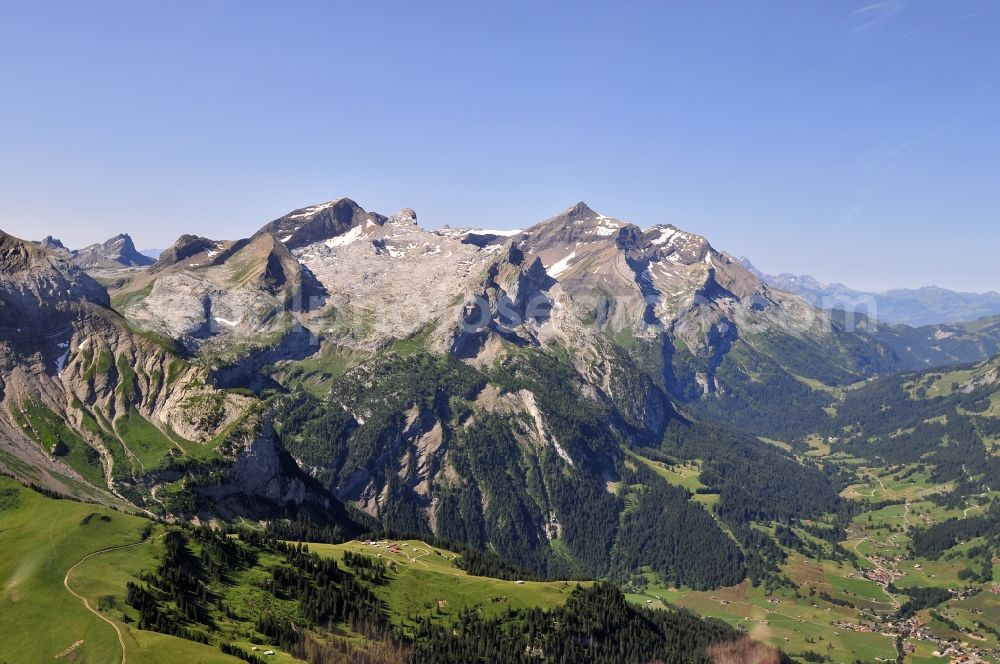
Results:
[856, 141]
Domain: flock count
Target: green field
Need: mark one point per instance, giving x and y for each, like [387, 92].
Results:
[683, 475]
[41, 539]
[146, 442]
[801, 620]
[792, 623]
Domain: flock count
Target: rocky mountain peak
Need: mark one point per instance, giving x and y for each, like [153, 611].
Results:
[630, 238]
[576, 225]
[118, 251]
[184, 248]
[581, 209]
[581, 213]
[52, 244]
[17, 255]
[320, 222]
[33, 279]
[404, 216]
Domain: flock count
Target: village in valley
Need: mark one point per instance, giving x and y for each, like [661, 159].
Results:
[853, 604]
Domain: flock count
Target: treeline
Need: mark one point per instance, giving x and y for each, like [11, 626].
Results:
[831, 537]
[888, 426]
[313, 432]
[596, 625]
[240, 653]
[755, 481]
[187, 590]
[762, 392]
[326, 596]
[302, 529]
[175, 595]
[514, 504]
[760, 483]
[528, 498]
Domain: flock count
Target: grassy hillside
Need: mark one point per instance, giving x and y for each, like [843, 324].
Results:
[89, 584]
[97, 551]
[41, 540]
[427, 580]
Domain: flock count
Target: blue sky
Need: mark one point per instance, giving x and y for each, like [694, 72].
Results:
[856, 141]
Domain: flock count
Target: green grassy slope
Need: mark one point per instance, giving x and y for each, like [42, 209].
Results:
[98, 551]
[426, 580]
[41, 539]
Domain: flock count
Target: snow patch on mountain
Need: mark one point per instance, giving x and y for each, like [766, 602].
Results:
[345, 239]
[560, 266]
[313, 210]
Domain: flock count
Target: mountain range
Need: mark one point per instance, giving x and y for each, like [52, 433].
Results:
[647, 326]
[582, 398]
[928, 305]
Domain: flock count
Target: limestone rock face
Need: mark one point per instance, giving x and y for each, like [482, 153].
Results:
[214, 295]
[263, 479]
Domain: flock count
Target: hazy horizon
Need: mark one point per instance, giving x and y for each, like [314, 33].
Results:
[856, 142]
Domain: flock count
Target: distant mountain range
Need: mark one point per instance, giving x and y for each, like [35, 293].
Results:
[928, 305]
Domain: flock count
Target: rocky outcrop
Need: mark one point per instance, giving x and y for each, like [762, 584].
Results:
[510, 302]
[263, 481]
[35, 283]
[226, 298]
[52, 244]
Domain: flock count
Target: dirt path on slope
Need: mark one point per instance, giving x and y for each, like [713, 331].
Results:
[86, 604]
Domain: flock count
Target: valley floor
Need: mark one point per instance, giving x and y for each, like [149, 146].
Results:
[846, 611]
